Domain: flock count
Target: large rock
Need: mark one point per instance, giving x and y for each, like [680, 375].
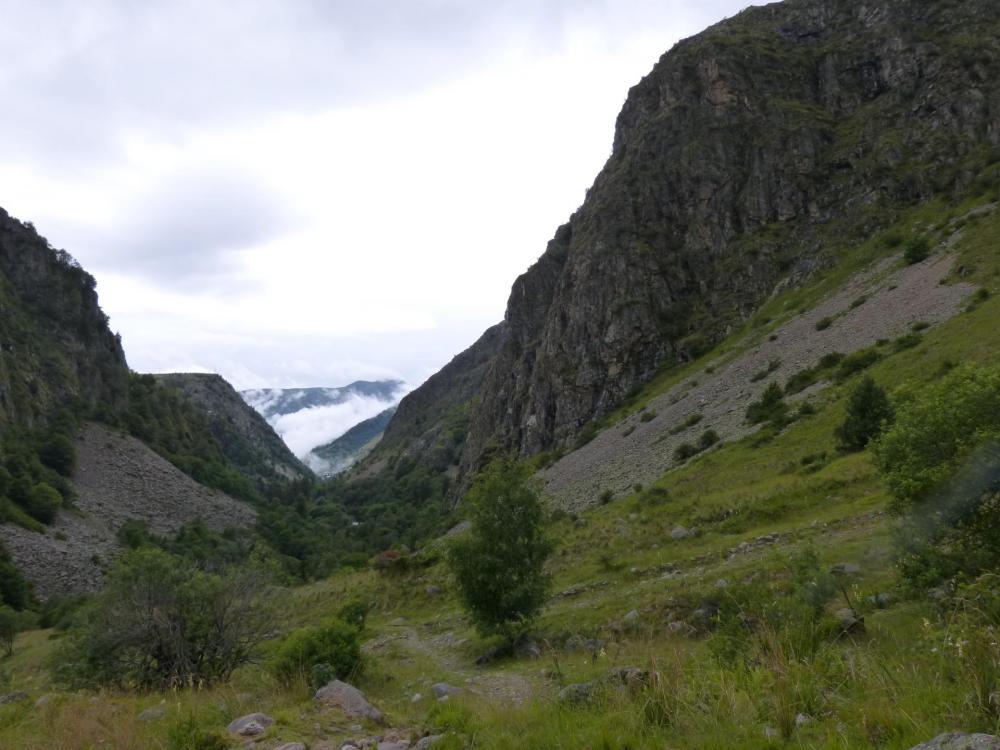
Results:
[250, 725]
[349, 699]
[961, 742]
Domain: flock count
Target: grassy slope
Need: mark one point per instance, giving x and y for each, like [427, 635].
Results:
[891, 689]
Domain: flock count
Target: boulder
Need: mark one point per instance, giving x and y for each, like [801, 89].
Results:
[433, 591]
[349, 699]
[250, 725]
[153, 714]
[846, 569]
[443, 690]
[850, 621]
[16, 697]
[426, 742]
[291, 746]
[679, 532]
[577, 693]
[954, 741]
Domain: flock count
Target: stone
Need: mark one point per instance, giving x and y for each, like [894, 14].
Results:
[770, 733]
[393, 745]
[850, 621]
[250, 725]
[425, 742]
[350, 700]
[580, 692]
[433, 591]
[443, 690]
[527, 648]
[42, 701]
[153, 714]
[846, 569]
[631, 617]
[16, 697]
[417, 697]
[679, 532]
[954, 741]
[574, 643]
[291, 746]
[881, 601]
[802, 720]
[631, 677]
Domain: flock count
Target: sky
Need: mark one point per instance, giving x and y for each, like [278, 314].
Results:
[310, 192]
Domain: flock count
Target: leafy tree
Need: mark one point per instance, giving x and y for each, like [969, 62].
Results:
[12, 622]
[160, 622]
[941, 461]
[59, 454]
[868, 412]
[499, 565]
[43, 502]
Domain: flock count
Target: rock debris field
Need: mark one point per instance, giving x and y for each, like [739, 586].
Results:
[635, 451]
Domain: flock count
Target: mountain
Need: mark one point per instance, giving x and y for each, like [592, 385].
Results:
[306, 418]
[339, 455]
[751, 159]
[56, 347]
[246, 439]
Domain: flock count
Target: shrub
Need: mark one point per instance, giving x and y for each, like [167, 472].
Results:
[770, 408]
[691, 421]
[647, 416]
[322, 653]
[499, 566]
[907, 341]
[12, 622]
[160, 622]
[708, 439]
[823, 323]
[855, 363]
[773, 365]
[684, 451]
[59, 454]
[868, 412]
[916, 250]
[355, 612]
[43, 502]
[188, 734]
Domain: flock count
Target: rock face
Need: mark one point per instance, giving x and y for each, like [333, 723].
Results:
[117, 478]
[430, 423]
[746, 160]
[55, 344]
[245, 437]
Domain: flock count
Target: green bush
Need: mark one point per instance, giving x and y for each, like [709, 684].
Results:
[856, 362]
[770, 408]
[823, 323]
[684, 451]
[916, 250]
[43, 503]
[59, 454]
[868, 412]
[355, 612]
[160, 622]
[499, 566]
[322, 653]
[708, 439]
[12, 622]
[188, 734]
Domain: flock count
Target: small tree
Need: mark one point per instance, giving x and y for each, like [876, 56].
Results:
[868, 413]
[499, 565]
[12, 622]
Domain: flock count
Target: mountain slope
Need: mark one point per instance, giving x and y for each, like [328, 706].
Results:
[351, 447]
[278, 402]
[246, 439]
[57, 350]
[751, 158]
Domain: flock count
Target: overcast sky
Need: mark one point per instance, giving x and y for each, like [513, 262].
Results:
[309, 192]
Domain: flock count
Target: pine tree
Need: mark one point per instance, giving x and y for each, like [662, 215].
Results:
[868, 412]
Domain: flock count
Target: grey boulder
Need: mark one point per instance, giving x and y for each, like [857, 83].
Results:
[349, 699]
[250, 725]
[953, 741]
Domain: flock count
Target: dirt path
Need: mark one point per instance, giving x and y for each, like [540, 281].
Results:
[442, 652]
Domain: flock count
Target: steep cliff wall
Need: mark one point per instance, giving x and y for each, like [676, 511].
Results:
[747, 157]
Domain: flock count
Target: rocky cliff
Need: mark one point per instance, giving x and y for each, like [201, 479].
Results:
[56, 349]
[746, 160]
[246, 439]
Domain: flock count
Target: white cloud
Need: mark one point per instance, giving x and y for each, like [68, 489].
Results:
[305, 193]
[309, 428]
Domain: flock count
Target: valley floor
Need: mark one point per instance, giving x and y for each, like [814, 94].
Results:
[633, 586]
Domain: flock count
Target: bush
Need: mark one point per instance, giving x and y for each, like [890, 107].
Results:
[43, 503]
[708, 439]
[868, 412]
[59, 454]
[322, 653]
[684, 451]
[160, 622]
[12, 622]
[355, 612]
[916, 250]
[770, 408]
[499, 566]
[855, 363]
[823, 323]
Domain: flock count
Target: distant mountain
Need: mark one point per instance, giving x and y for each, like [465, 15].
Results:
[306, 418]
[342, 453]
[246, 439]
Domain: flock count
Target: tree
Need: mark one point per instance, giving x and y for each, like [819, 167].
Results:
[12, 622]
[868, 413]
[499, 565]
[160, 622]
